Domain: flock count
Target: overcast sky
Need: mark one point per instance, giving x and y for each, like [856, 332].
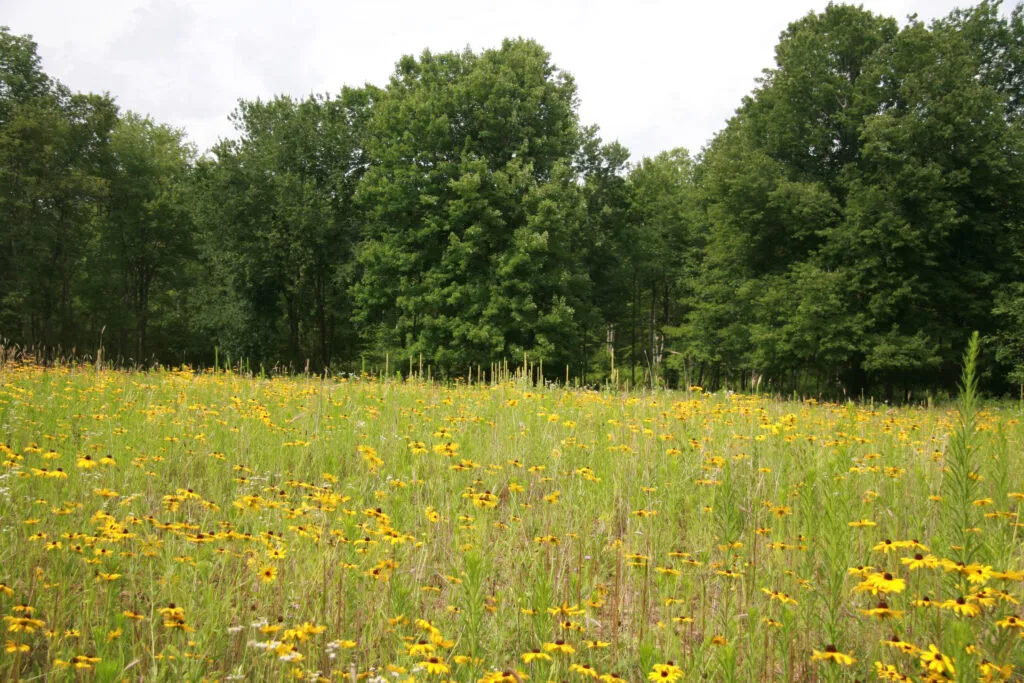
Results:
[652, 74]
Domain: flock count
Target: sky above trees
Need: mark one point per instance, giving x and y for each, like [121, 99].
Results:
[655, 75]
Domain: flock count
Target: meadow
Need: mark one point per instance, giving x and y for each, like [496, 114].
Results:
[180, 525]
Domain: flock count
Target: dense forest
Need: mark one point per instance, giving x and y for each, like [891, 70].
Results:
[856, 219]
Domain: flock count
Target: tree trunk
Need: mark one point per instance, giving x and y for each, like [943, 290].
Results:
[142, 312]
[632, 343]
[653, 359]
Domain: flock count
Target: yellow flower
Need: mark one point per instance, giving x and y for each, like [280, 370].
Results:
[831, 653]
[975, 573]
[885, 546]
[268, 574]
[962, 607]
[26, 624]
[560, 646]
[174, 617]
[881, 582]
[668, 672]
[861, 571]
[901, 645]
[535, 655]
[919, 561]
[935, 662]
[1012, 621]
[84, 661]
[583, 669]
[995, 672]
[1008, 576]
[781, 597]
[438, 639]
[434, 665]
[566, 609]
[882, 611]
[503, 677]
[420, 648]
[888, 672]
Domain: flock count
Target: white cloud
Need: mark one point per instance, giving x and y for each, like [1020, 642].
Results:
[654, 74]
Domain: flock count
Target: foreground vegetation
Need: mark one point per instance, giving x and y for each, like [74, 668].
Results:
[186, 526]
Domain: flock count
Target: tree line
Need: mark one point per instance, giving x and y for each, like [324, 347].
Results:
[855, 220]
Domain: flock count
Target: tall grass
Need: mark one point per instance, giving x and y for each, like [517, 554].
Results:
[225, 527]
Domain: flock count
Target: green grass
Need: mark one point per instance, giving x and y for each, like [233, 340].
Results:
[656, 526]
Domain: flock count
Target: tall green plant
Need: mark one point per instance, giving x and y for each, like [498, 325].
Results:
[960, 474]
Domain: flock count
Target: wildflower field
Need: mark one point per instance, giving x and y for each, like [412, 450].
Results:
[209, 526]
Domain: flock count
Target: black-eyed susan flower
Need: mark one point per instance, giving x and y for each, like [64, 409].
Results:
[889, 672]
[894, 641]
[559, 646]
[991, 672]
[438, 639]
[962, 607]
[667, 672]
[860, 570]
[780, 596]
[882, 611]
[881, 582]
[1011, 622]
[174, 617]
[919, 561]
[566, 609]
[934, 661]
[535, 655]
[986, 597]
[1008, 576]
[84, 662]
[861, 523]
[23, 624]
[434, 665]
[832, 653]
[420, 648]
[584, 670]
[885, 546]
